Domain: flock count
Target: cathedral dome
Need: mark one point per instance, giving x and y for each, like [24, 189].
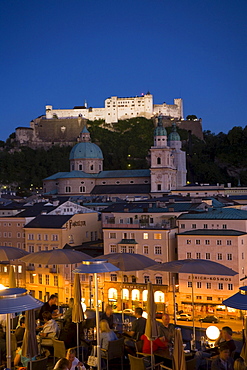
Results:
[174, 136]
[86, 150]
[160, 131]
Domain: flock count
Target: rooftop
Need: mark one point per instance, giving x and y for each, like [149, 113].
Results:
[214, 232]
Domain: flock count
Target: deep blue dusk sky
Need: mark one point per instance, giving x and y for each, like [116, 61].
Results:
[61, 52]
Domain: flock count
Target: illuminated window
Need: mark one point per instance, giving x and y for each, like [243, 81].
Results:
[40, 279]
[113, 277]
[55, 280]
[47, 279]
[188, 241]
[198, 242]
[157, 236]
[145, 235]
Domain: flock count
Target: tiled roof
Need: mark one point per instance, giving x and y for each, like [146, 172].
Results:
[122, 189]
[48, 221]
[214, 232]
[216, 214]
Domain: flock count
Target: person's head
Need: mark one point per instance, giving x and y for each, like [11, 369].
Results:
[108, 310]
[239, 364]
[52, 300]
[46, 316]
[224, 352]
[22, 322]
[165, 319]
[104, 326]
[138, 312]
[71, 353]
[62, 364]
[71, 302]
[226, 333]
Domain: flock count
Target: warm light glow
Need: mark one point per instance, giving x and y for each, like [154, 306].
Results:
[2, 287]
[212, 332]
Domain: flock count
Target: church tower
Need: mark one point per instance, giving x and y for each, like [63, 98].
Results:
[175, 144]
[163, 169]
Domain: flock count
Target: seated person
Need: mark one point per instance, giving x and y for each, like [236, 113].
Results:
[108, 316]
[50, 306]
[106, 334]
[19, 333]
[166, 329]
[138, 325]
[67, 334]
[158, 343]
[224, 340]
[19, 358]
[50, 329]
[73, 361]
[223, 361]
[68, 313]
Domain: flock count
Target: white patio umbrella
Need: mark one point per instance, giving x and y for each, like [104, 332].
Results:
[77, 312]
[194, 266]
[15, 300]
[95, 267]
[151, 329]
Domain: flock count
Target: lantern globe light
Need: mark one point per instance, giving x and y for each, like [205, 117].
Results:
[212, 332]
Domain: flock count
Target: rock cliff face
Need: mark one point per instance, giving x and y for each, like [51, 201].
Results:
[194, 126]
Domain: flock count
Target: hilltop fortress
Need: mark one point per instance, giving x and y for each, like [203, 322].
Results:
[63, 126]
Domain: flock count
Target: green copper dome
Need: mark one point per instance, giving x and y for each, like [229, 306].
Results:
[86, 150]
[174, 136]
[160, 130]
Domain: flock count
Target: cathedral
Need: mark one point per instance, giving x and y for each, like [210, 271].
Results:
[87, 176]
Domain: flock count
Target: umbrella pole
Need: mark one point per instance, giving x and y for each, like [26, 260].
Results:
[97, 321]
[152, 357]
[174, 299]
[121, 292]
[8, 341]
[193, 311]
[77, 336]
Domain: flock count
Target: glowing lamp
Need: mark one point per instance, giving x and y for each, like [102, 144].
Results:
[212, 332]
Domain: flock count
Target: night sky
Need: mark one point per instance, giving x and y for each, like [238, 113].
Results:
[61, 52]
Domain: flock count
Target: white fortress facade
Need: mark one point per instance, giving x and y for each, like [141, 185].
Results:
[121, 108]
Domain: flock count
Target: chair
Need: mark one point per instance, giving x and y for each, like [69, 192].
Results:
[115, 350]
[37, 364]
[138, 363]
[191, 364]
[59, 348]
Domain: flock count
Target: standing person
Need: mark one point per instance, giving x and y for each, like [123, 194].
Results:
[223, 361]
[166, 329]
[108, 316]
[50, 306]
[106, 334]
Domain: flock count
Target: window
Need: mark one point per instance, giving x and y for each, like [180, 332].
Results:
[205, 226]
[31, 279]
[146, 279]
[209, 285]
[188, 255]
[207, 256]
[158, 280]
[145, 235]
[125, 236]
[31, 248]
[47, 279]
[193, 226]
[198, 284]
[113, 248]
[145, 249]
[30, 236]
[229, 256]
[188, 241]
[46, 237]
[54, 237]
[198, 242]
[18, 235]
[159, 187]
[40, 279]
[209, 298]
[228, 242]
[68, 189]
[131, 249]
[157, 249]
[219, 256]
[112, 235]
[207, 242]
[132, 235]
[224, 226]
[55, 280]
[198, 297]
[133, 279]
[220, 286]
[157, 236]
[198, 255]
[218, 242]
[125, 278]
[242, 255]
[113, 277]
[189, 284]
[38, 236]
[82, 189]
[10, 235]
[124, 249]
[158, 160]
[230, 286]
[182, 226]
